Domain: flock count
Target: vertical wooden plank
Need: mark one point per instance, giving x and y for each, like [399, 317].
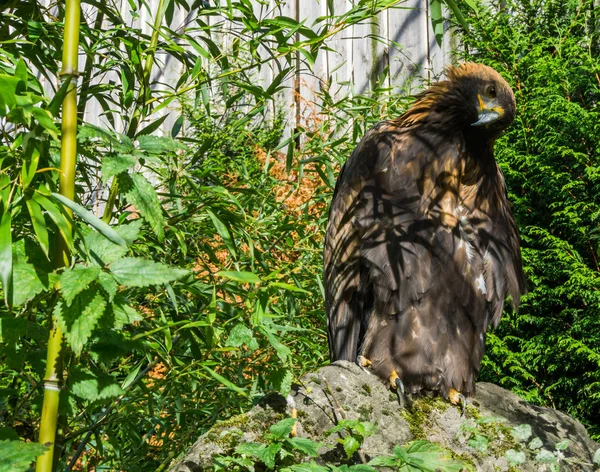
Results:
[408, 30]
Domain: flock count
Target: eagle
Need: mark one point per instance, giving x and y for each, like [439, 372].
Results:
[422, 249]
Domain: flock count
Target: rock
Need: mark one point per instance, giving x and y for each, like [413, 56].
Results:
[499, 431]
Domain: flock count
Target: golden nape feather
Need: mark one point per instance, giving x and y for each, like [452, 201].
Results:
[421, 248]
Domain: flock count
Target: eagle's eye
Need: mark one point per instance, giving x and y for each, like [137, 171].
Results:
[490, 91]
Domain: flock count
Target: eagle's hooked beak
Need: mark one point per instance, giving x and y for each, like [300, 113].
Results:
[487, 114]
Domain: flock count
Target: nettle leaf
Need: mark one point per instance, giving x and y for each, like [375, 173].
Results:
[124, 315]
[562, 445]
[430, 456]
[74, 280]
[79, 319]
[283, 352]
[522, 432]
[546, 456]
[93, 386]
[114, 165]
[158, 144]
[515, 457]
[535, 443]
[17, 456]
[282, 380]
[283, 428]
[109, 284]
[141, 194]
[239, 335]
[138, 272]
[249, 449]
[268, 454]
[305, 445]
[350, 444]
[478, 442]
[11, 328]
[27, 282]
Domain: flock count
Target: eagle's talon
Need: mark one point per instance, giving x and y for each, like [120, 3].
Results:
[363, 363]
[457, 398]
[397, 385]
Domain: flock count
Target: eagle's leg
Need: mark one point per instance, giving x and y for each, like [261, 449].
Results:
[397, 385]
[457, 398]
[363, 362]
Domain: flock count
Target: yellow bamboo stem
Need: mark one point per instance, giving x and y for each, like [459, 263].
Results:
[53, 378]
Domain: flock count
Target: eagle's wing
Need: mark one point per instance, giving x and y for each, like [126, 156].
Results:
[403, 239]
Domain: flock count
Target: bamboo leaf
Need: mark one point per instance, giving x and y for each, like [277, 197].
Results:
[39, 224]
[91, 219]
[224, 381]
[241, 276]
[6, 257]
[437, 20]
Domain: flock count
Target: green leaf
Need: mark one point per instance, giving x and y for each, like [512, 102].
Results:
[39, 224]
[545, 456]
[430, 457]
[91, 219]
[114, 165]
[56, 102]
[225, 381]
[283, 352]
[241, 276]
[282, 428]
[535, 443]
[223, 232]
[109, 284]
[268, 454]
[457, 13]
[437, 20]
[310, 467]
[478, 442]
[124, 314]
[240, 334]
[515, 457]
[46, 121]
[17, 456]
[522, 432]
[282, 380]
[59, 219]
[291, 288]
[351, 445]
[93, 386]
[27, 283]
[249, 449]
[138, 272]
[596, 458]
[76, 279]
[79, 319]
[305, 445]
[158, 144]
[141, 194]
[562, 445]
[6, 264]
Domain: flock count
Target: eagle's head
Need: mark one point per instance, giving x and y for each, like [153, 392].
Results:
[474, 96]
[486, 97]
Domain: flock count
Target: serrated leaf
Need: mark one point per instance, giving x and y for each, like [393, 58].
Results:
[305, 445]
[101, 250]
[268, 454]
[282, 380]
[138, 272]
[310, 467]
[93, 386]
[515, 457]
[124, 314]
[17, 456]
[27, 283]
[91, 219]
[11, 328]
[282, 428]
[249, 449]
[240, 276]
[351, 445]
[80, 318]
[109, 284]
[430, 456]
[522, 432]
[141, 194]
[114, 165]
[282, 350]
[158, 144]
[384, 461]
[239, 335]
[76, 279]
[562, 445]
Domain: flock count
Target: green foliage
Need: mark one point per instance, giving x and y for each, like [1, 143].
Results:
[421, 455]
[549, 351]
[356, 432]
[17, 456]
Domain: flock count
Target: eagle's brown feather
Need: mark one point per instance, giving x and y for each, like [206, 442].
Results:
[421, 248]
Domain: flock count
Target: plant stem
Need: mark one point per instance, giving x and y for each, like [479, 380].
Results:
[142, 101]
[68, 159]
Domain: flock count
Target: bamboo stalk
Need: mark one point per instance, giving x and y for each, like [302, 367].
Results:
[68, 158]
